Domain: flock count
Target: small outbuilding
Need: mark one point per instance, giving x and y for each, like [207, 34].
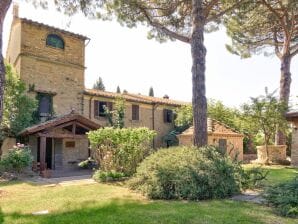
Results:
[293, 118]
[227, 139]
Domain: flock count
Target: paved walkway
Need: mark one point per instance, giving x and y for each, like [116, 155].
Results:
[250, 196]
[64, 181]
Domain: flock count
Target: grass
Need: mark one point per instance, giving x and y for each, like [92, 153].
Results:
[277, 174]
[102, 203]
[111, 204]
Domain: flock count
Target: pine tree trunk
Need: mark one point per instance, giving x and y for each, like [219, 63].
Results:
[284, 92]
[198, 52]
[4, 6]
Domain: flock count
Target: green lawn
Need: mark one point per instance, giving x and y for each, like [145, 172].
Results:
[110, 204]
[277, 174]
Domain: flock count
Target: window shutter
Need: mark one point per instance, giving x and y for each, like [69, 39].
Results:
[135, 112]
[96, 103]
[165, 115]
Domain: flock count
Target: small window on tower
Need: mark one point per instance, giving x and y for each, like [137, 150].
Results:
[54, 40]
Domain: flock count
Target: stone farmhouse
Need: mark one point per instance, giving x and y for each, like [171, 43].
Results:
[51, 62]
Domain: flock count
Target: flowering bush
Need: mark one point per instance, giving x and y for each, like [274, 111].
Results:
[17, 159]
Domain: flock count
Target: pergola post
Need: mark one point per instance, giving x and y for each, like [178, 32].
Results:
[42, 159]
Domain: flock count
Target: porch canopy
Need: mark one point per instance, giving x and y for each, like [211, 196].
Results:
[73, 124]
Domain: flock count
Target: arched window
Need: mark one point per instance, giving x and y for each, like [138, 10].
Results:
[54, 40]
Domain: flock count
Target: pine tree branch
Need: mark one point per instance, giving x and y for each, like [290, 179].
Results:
[163, 29]
[220, 14]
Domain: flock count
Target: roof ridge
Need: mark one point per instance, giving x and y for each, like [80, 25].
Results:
[55, 28]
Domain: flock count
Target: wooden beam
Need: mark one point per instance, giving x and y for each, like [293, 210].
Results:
[74, 126]
[58, 135]
[83, 126]
[42, 159]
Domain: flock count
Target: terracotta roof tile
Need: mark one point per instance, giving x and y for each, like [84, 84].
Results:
[60, 120]
[29, 21]
[134, 97]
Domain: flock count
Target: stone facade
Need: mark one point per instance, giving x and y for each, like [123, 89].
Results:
[293, 118]
[218, 132]
[58, 72]
[276, 153]
[146, 113]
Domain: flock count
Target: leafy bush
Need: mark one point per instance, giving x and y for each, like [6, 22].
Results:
[120, 149]
[87, 164]
[106, 176]
[188, 173]
[17, 159]
[284, 197]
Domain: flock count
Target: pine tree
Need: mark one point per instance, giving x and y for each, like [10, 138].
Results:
[268, 26]
[99, 84]
[118, 89]
[151, 91]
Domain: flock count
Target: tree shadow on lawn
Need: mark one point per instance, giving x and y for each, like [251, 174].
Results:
[119, 211]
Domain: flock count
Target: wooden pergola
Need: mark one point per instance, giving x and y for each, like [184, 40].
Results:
[74, 125]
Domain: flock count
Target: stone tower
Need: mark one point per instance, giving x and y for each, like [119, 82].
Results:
[51, 62]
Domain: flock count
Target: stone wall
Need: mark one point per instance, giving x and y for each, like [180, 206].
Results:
[275, 153]
[73, 155]
[63, 69]
[234, 143]
[294, 152]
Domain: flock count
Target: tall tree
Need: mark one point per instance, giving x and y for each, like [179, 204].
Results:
[151, 91]
[183, 20]
[4, 6]
[263, 25]
[99, 84]
[118, 89]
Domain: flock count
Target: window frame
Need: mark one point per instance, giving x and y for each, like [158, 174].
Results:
[168, 116]
[135, 112]
[48, 44]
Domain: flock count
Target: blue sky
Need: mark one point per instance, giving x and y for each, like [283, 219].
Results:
[125, 57]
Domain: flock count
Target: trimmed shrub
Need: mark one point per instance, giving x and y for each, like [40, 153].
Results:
[284, 197]
[17, 159]
[188, 173]
[120, 149]
[103, 176]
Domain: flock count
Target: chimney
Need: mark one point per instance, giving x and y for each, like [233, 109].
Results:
[166, 97]
[15, 11]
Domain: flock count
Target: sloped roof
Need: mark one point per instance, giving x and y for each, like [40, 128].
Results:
[215, 127]
[291, 115]
[29, 21]
[134, 97]
[58, 121]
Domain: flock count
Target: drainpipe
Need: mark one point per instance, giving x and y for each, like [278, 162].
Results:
[90, 104]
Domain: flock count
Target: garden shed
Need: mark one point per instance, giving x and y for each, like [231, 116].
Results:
[227, 139]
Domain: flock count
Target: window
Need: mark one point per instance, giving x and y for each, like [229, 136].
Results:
[102, 108]
[135, 112]
[222, 145]
[99, 108]
[44, 104]
[54, 40]
[168, 116]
